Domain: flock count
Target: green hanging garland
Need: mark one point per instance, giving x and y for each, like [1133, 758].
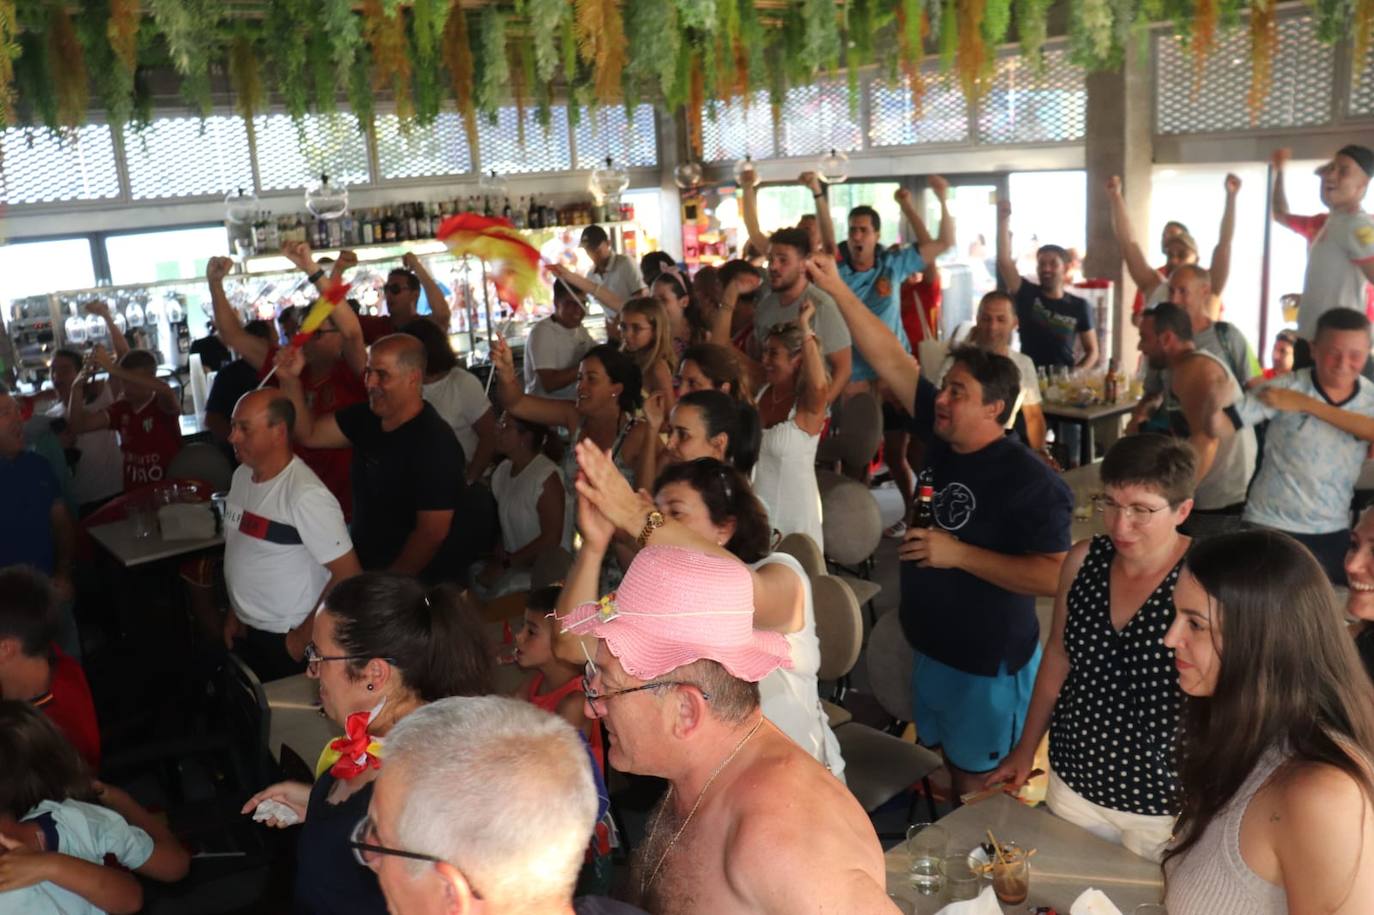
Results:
[341, 27]
[427, 91]
[821, 34]
[93, 25]
[1032, 29]
[547, 19]
[654, 44]
[493, 66]
[698, 15]
[37, 103]
[191, 30]
[291, 25]
[360, 98]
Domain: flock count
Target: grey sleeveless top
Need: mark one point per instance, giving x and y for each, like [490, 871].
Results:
[1212, 878]
[1234, 464]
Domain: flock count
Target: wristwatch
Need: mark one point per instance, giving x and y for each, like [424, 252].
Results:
[652, 522]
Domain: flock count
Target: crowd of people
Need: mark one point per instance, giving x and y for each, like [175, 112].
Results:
[1202, 697]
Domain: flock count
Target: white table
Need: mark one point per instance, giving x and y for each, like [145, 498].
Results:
[1067, 861]
[118, 537]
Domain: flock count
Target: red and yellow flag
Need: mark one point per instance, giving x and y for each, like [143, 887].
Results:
[512, 262]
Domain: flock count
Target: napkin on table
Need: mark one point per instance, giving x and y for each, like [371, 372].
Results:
[186, 521]
[1093, 902]
[985, 904]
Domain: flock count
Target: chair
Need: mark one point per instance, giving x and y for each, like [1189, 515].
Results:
[803, 549]
[858, 430]
[202, 461]
[853, 528]
[878, 766]
[891, 664]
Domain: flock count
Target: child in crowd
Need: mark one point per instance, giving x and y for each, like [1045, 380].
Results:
[646, 335]
[556, 687]
[145, 415]
[57, 826]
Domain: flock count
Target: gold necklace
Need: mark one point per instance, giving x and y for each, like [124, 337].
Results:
[667, 798]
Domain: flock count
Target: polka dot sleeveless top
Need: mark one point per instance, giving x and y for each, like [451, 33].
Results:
[1115, 724]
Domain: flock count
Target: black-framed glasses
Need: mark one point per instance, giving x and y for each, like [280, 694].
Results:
[597, 700]
[313, 658]
[366, 849]
[1135, 514]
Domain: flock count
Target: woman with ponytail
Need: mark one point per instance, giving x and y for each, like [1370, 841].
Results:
[384, 645]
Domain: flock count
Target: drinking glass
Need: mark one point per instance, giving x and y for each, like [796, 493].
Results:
[961, 881]
[1011, 874]
[926, 844]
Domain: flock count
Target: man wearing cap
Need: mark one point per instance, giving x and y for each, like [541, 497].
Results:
[1340, 253]
[555, 346]
[751, 822]
[613, 280]
[1179, 247]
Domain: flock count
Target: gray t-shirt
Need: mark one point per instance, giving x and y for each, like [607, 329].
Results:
[828, 324]
[621, 276]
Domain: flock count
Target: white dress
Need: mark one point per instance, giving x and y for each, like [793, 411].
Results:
[785, 478]
[789, 697]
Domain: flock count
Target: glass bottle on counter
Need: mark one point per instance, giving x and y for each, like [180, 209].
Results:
[535, 219]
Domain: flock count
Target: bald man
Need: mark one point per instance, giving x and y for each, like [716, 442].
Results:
[409, 474]
[285, 541]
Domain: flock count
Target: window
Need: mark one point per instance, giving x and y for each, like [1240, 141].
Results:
[1026, 106]
[893, 120]
[40, 168]
[147, 257]
[1195, 195]
[38, 267]
[877, 194]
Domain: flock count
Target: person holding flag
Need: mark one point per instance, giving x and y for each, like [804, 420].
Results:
[334, 361]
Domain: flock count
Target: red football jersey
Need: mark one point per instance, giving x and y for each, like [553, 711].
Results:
[149, 437]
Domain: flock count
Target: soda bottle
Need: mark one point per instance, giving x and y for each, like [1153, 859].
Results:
[923, 511]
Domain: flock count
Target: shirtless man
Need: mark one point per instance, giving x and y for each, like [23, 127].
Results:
[751, 823]
[1204, 390]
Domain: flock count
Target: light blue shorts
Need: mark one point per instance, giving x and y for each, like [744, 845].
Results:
[975, 720]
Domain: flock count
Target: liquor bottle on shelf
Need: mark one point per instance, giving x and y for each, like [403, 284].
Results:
[506, 213]
[535, 219]
[436, 218]
[391, 229]
[412, 223]
[519, 216]
[365, 221]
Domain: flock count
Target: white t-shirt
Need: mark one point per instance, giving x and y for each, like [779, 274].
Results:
[1338, 244]
[458, 398]
[550, 345]
[517, 499]
[100, 471]
[277, 537]
[621, 276]
[85, 831]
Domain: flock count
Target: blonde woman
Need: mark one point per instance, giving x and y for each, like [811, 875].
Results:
[646, 337]
[792, 407]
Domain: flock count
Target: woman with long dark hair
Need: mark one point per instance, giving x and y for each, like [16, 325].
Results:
[1278, 737]
[383, 646]
[608, 397]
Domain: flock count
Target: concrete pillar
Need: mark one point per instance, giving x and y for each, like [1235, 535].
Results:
[1119, 141]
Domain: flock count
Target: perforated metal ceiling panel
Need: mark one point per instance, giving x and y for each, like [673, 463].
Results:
[1301, 93]
[289, 158]
[543, 151]
[892, 120]
[816, 119]
[173, 158]
[737, 129]
[1362, 89]
[423, 152]
[1029, 106]
[605, 131]
[38, 168]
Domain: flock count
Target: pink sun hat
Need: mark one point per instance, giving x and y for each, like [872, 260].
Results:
[678, 606]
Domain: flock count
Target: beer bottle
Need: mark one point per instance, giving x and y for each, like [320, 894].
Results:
[923, 512]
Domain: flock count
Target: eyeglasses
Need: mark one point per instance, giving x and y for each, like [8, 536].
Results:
[366, 851]
[1135, 514]
[313, 658]
[597, 700]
